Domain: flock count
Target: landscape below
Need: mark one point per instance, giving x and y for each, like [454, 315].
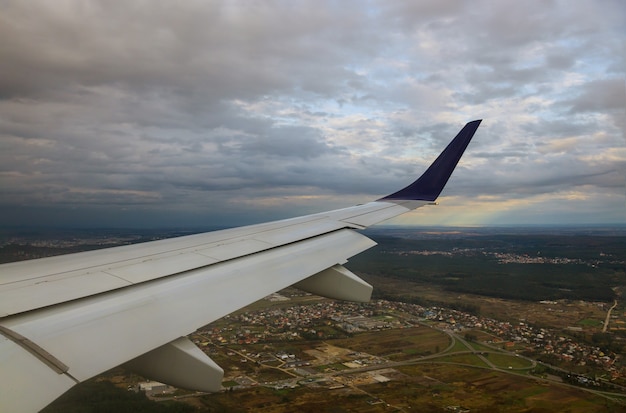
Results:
[480, 319]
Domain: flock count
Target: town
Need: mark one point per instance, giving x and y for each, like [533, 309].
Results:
[560, 353]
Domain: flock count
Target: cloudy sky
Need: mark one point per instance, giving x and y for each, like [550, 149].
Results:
[204, 113]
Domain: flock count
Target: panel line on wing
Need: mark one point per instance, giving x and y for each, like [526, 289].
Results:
[36, 350]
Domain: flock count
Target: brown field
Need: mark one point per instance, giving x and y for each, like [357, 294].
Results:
[421, 388]
[304, 400]
[485, 390]
[267, 374]
[398, 344]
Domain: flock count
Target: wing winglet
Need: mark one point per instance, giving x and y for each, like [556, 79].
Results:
[428, 186]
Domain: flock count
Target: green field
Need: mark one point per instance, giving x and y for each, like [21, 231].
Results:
[505, 361]
[470, 359]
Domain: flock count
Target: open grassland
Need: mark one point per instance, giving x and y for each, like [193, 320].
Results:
[479, 347]
[458, 346]
[469, 359]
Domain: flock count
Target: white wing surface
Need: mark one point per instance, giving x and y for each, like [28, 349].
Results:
[68, 318]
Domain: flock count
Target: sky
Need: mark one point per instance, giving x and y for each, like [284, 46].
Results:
[205, 113]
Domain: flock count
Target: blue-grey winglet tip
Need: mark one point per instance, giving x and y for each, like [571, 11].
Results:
[428, 186]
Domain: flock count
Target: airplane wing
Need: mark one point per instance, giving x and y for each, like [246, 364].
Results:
[68, 318]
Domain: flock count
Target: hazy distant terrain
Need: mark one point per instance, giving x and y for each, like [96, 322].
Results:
[527, 264]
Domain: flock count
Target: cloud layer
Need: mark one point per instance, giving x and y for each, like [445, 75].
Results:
[223, 113]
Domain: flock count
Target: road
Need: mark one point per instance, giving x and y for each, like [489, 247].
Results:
[608, 316]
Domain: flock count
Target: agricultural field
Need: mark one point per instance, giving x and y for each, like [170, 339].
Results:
[398, 344]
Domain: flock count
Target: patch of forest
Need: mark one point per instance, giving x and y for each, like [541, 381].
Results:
[468, 264]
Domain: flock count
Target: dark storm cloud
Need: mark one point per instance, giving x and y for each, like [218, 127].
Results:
[226, 51]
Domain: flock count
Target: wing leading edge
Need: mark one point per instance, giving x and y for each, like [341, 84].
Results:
[66, 319]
